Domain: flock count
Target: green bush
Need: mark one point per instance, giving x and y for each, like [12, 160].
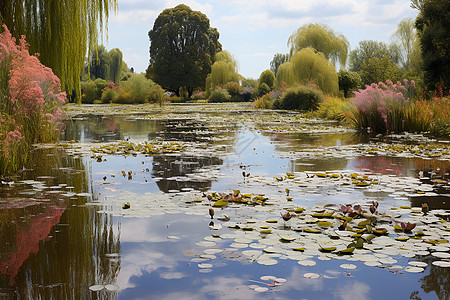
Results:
[333, 108]
[300, 98]
[91, 90]
[138, 89]
[264, 102]
[109, 95]
[262, 89]
[219, 95]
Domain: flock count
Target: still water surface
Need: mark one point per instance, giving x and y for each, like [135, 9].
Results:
[54, 244]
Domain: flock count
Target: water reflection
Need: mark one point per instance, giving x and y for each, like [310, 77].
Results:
[179, 173]
[52, 246]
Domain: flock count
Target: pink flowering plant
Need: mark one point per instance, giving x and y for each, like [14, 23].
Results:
[30, 102]
[383, 107]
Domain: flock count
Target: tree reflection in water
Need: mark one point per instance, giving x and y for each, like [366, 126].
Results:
[54, 246]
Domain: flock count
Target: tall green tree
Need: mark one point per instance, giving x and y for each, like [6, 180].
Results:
[433, 23]
[182, 49]
[309, 66]
[60, 31]
[368, 49]
[374, 70]
[116, 65]
[277, 60]
[323, 39]
[100, 61]
[224, 70]
[406, 38]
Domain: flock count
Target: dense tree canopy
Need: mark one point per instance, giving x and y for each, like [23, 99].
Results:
[323, 39]
[106, 65]
[368, 49]
[182, 49]
[308, 66]
[433, 23]
[60, 31]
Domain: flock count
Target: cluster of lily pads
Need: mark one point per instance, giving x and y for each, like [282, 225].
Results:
[154, 147]
[352, 233]
[436, 151]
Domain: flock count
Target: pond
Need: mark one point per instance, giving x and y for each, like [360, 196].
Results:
[186, 201]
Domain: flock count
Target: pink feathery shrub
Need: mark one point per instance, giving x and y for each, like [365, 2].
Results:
[30, 102]
[382, 107]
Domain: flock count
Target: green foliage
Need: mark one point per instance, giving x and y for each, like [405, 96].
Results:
[308, 66]
[137, 89]
[333, 108]
[92, 90]
[60, 32]
[408, 43]
[109, 95]
[264, 102]
[323, 39]
[278, 60]
[300, 98]
[105, 65]
[223, 70]
[182, 48]
[368, 49]
[116, 67]
[268, 78]
[374, 70]
[219, 95]
[433, 23]
[263, 89]
[348, 82]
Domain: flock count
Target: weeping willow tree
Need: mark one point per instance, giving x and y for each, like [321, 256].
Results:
[224, 69]
[322, 38]
[61, 31]
[309, 66]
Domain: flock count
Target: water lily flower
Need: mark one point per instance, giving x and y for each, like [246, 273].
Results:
[286, 216]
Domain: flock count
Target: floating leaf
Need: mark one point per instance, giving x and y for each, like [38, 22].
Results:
[111, 287]
[324, 224]
[220, 203]
[348, 266]
[327, 249]
[347, 250]
[311, 275]
[96, 288]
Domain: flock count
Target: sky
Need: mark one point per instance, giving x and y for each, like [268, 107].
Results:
[253, 31]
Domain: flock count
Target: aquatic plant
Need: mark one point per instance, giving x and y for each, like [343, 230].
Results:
[30, 105]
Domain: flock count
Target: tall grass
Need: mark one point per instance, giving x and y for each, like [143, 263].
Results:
[388, 107]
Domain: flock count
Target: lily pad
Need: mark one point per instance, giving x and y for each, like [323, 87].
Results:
[97, 287]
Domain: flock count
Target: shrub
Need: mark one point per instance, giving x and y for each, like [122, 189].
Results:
[247, 92]
[233, 88]
[109, 94]
[219, 95]
[89, 92]
[264, 102]
[30, 102]
[300, 98]
[262, 89]
[348, 82]
[383, 107]
[138, 89]
[333, 108]
[267, 77]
